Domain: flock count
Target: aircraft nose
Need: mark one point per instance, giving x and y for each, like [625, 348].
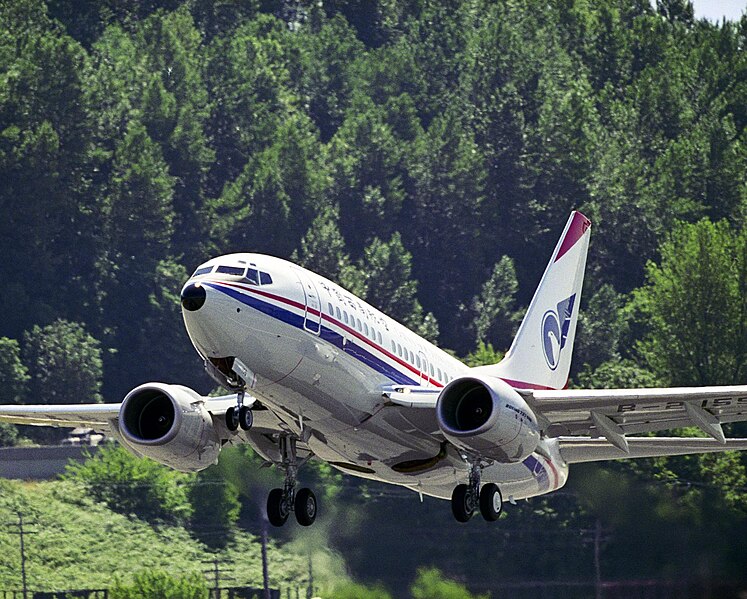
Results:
[193, 297]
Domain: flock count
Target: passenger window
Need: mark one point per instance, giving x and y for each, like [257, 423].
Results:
[432, 373]
[330, 309]
[202, 271]
[345, 316]
[417, 360]
[252, 276]
[399, 350]
[412, 358]
[230, 270]
[339, 316]
[365, 328]
[439, 374]
[394, 346]
[378, 334]
[265, 278]
[360, 327]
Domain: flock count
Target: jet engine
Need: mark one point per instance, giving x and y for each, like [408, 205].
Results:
[169, 424]
[484, 416]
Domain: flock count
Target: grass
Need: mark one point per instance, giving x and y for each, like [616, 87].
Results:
[74, 542]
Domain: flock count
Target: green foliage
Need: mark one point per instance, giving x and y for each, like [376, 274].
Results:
[215, 508]
[496, 317]
[14, 376]
[92, 546]
[483, 355]
[422, 154]
[430, 583]
[387, 271]
[358, 591]
[132, 485]
[65, 364]
[157, 584]
[695, 308]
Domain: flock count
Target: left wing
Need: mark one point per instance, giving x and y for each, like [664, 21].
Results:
[615, 413]
[104, 417]
[99, 416]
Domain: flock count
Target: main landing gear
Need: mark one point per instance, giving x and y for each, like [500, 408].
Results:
[239, 415]
[281, 502]
[466, 499]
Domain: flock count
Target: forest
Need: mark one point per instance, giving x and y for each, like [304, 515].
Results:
[425, 155]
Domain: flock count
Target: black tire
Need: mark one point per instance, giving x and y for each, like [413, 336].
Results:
[246, 418]
[462, 505]
[491, 502]
[232, 419]
[277, 513]
[305, 507]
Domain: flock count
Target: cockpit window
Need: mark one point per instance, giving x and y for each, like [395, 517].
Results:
[252, 276]
[265, 278]
[230, 270]
[203, 270]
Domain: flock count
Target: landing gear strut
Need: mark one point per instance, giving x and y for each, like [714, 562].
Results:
[281, 502]
[239, 415]
[466, 499]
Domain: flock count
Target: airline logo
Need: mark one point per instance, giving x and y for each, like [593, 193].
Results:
[555, 325]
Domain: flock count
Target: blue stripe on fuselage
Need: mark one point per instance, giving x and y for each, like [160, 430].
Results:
[327, 334]
[539, 471]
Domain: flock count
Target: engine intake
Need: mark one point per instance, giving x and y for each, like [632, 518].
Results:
[485, 416]
[169, 424]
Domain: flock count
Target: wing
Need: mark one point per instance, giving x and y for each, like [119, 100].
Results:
[585, 449]
[104, 417]
[100, 417]
[615, 413]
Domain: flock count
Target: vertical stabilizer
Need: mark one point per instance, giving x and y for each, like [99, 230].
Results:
[540, 356]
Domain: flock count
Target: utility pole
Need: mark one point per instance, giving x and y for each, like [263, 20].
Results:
[597, 552]
[22, 532]
[310, 590]
[215, 573]
[265, 569]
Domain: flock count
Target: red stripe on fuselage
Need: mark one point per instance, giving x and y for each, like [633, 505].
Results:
[299, 306]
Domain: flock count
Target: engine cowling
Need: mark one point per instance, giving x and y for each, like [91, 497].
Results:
[485, 416]
[169, 424]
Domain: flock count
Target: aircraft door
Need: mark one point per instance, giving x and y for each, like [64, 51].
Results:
[312, 320]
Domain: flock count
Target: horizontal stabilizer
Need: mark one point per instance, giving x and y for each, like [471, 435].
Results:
[576, 450]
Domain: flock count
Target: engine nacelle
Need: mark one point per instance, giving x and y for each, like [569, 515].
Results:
[485, 416]
[169, 424]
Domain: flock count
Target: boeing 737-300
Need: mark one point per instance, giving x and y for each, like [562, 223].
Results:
[313, 371]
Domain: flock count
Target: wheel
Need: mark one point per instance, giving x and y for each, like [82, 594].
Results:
[232, 419]
[462, 503]
[305, 507]
[246, 418]
[277, 511]
[491, 502]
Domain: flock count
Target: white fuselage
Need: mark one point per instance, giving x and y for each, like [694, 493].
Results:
[321, 359]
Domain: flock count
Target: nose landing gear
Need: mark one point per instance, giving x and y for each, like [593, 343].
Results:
[281, 502]
[239, 415]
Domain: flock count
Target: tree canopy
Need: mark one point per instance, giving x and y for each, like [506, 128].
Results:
[423, 154]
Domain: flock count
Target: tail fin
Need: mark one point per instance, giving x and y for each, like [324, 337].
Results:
[540, 356]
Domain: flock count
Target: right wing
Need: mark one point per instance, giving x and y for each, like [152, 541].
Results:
[585, 449]
[615, 413]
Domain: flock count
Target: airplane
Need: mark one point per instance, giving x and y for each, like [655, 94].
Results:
[313, 371]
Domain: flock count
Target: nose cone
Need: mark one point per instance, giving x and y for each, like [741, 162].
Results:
[193, 297]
